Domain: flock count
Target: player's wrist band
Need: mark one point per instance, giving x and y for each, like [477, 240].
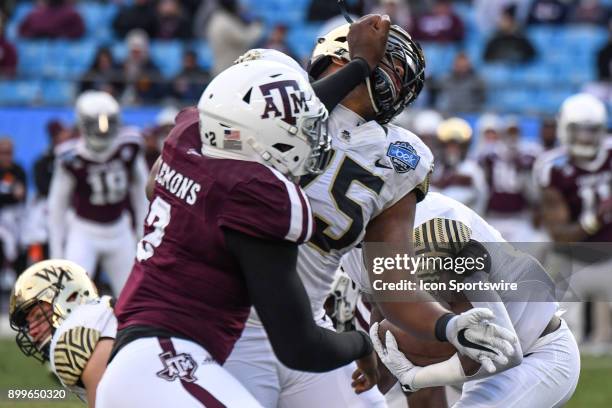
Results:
[364, 66]
[441, 324]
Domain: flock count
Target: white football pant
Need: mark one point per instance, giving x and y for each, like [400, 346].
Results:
[160, 372]
[112, 245]
[254, 364]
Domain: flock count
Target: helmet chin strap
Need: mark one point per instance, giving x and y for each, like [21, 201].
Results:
[369, 86]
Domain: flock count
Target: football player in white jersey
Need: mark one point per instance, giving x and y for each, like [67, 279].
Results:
[101, 176]
[377, 174]
[59, 318]
[544, 370]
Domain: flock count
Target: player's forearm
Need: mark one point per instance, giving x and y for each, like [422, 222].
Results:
[284, 308]
[332, 89]
[418, 317]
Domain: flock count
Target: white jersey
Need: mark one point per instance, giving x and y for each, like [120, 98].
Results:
[527, 319]
[75, 340]
[372, 169]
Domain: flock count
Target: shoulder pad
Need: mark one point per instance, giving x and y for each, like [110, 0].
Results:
[72, 352]
[129, 135]
[544, 165]
[66, 150]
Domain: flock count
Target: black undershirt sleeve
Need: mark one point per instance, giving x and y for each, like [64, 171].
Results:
[332, 89]
[276, 291]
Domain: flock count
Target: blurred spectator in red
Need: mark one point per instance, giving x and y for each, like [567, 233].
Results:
[172, 21]
[189, 84]
[604, 58]
[441, 24]
[548, 12]
[398, 10]
[52, 19]
[43, 166]
[590, 12]
[140, 14]
[322, 10]
[12, 176]
[8, 53]
[277, 40]
[229, 35]
[509, 44]
[104, 74]
[145, 83]
[462, 91]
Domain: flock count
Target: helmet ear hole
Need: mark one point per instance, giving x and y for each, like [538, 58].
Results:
[282, 147]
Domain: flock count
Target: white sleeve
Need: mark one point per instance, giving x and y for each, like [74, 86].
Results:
[138, 195]
[62, 186]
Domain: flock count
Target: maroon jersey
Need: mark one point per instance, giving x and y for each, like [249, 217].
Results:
[101, 191]
[508, 173]
[583, 187]
[185, 279]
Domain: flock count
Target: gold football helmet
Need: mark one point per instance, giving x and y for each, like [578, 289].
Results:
[63, 285]
[454, 130]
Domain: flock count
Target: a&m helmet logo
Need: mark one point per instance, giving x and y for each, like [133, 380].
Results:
[181, 366]
[403, 156]
[292, 97]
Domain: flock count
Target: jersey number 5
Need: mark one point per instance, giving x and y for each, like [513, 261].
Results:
[348, 172]
[158, 218]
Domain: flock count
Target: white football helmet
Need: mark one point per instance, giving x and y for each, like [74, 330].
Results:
[266, 112]
[97, 119]
[63, 284]
[582, 125]
[269, 54]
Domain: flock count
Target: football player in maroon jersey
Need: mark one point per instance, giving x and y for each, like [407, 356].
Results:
[576, 186]
[99, 176]
[222, 234]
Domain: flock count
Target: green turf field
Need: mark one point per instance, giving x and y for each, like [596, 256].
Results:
[17, 371]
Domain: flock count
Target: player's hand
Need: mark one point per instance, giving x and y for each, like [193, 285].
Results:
[394, 359]
[367, 38]
[366, 375]
[474, 336]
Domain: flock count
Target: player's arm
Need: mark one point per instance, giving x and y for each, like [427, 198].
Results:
[62, 186]
[94, 369]
[391, 228]
[277, 292]
[151, 179]
[367, 40]
[138, 189]
[556, 218]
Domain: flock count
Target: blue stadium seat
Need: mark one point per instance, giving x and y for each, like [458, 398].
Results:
[205, 55]
[21, 10]
[496, 74]
[79, 56]
[168, 56]
[439, 58]
[32, 56]
[55, 92]
[302, 39]
[22, 92]
[98, 18]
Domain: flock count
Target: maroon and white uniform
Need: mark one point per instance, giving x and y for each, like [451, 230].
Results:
[186, 281]
[583, 187]
[465, 183]
[100, 189]
[508, 174]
